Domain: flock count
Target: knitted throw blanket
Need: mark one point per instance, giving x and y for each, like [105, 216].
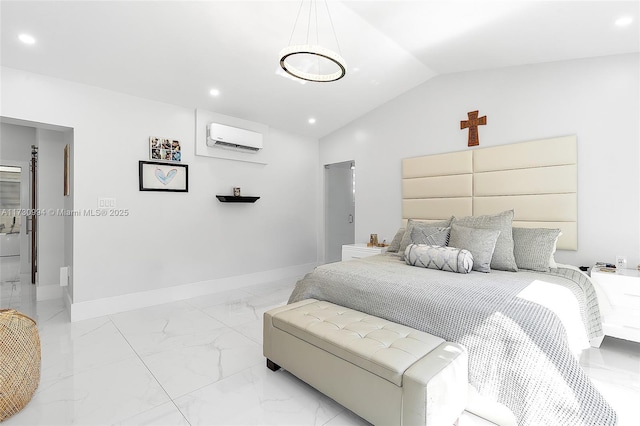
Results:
[518, 350]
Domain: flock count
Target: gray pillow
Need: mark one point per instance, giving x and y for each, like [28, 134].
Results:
[411, 224]
[395, 243]
[534, 247]
[435, 257]
[503, 257]
[480, 242]
[430, 235]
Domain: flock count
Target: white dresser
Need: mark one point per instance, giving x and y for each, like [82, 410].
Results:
[358, 251]
[622, 288]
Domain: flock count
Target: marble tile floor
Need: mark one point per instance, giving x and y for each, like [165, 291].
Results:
[199, 362]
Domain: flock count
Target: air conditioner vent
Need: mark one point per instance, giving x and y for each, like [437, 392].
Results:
[223, 144]
[221, 136]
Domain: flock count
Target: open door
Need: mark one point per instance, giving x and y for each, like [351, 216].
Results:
[340, 208]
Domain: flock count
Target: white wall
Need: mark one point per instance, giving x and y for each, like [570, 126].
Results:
[169, 239]
[16, 141]
[596, 99]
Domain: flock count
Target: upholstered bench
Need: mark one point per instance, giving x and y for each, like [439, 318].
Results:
[387, 373]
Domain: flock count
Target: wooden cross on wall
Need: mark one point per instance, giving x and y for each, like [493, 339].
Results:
[472, 123]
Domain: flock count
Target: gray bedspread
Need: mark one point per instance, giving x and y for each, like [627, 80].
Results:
[518, 351]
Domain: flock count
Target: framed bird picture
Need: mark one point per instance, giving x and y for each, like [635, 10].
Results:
[155, 176]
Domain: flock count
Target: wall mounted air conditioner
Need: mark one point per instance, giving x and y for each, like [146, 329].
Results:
[221, 136]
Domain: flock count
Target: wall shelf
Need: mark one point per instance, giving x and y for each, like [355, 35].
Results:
[234, 199]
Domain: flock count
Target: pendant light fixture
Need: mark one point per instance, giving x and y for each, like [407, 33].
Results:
[320, 54]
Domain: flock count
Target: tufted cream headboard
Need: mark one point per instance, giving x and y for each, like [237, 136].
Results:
[537, 179]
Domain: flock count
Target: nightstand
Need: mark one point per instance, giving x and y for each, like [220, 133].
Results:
[622, 288]
[357, 251]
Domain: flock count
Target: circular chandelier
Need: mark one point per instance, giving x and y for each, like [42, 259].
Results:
[308, 49]
[314, 50]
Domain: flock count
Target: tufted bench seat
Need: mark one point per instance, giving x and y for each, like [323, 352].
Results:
[387, 373]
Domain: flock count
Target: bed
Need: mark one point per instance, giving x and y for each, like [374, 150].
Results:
[510, 338]
[523, 328]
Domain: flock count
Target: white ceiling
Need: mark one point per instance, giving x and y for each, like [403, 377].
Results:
[176, 51]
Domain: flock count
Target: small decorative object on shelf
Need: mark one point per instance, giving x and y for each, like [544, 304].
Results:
[373, 241]
[236, 197]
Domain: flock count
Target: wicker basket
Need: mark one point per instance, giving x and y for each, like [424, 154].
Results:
[19, 361]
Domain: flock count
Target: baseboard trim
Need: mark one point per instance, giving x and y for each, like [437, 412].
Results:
[126, 302]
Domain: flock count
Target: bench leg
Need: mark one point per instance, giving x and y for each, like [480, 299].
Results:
[272, 365]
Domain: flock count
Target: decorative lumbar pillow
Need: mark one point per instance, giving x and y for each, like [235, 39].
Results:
[503, 257]
[411, 224]
[430, 235]
[533, 247]
[395, 243]
[435, 257]
[480, 242]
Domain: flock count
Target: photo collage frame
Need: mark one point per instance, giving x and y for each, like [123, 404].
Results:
[161, 149]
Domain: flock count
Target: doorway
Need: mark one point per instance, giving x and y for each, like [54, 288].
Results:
[51, 246]
[340, 208]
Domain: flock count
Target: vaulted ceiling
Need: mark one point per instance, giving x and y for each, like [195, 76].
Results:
[177, 51]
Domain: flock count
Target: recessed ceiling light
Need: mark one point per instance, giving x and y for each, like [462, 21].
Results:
[214, 92]
[312, 120]
[27, 39]
[624, 21]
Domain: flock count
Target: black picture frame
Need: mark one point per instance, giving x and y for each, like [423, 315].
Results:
[166, 177]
